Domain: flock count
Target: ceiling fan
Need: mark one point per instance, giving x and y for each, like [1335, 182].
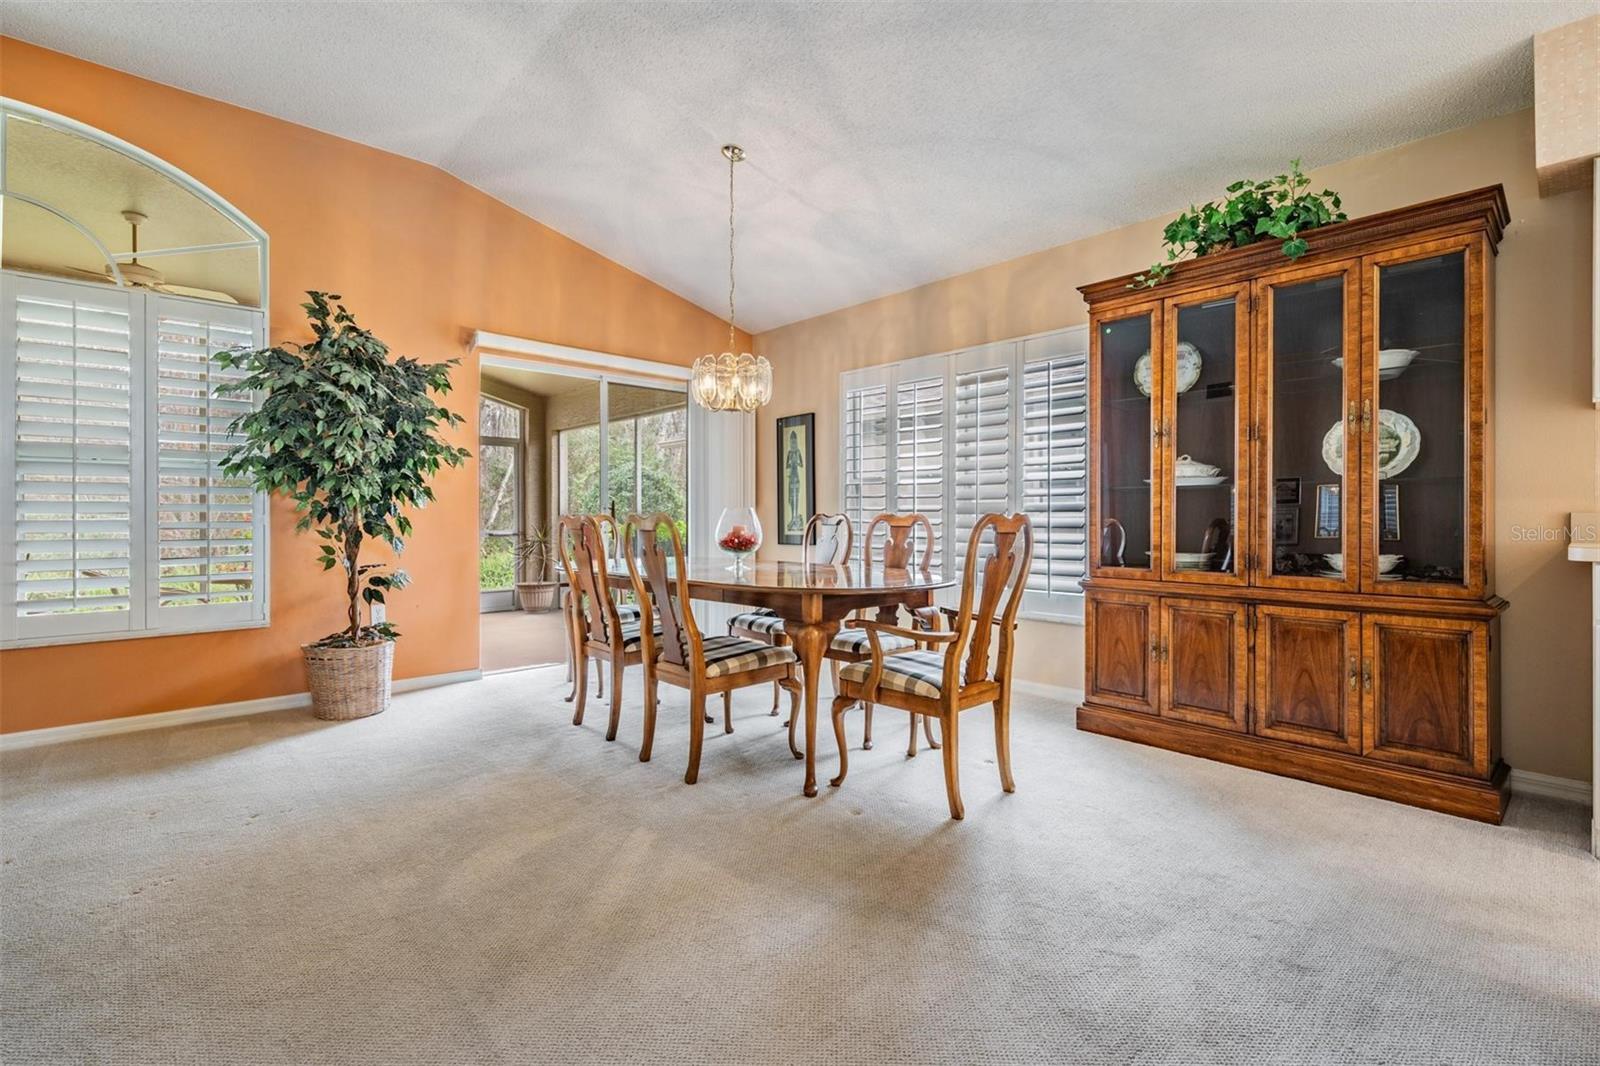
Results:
[137, 274]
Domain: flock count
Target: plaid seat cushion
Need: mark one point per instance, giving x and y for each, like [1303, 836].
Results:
[735, 655]
[856, 642]
[631, 631]
[761, 620]
[628, 612]
[920, 673]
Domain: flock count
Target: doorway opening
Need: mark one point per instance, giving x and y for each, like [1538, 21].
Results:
[554, 440]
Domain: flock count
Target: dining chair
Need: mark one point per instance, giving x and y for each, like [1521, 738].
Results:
[610, 532]
[601, 631]
[825, 542]
[677, 653]
[850, 645]
[969, 666]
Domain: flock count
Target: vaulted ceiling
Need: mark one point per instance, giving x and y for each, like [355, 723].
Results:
[890, 144]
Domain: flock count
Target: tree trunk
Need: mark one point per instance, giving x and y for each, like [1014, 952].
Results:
[352, 552]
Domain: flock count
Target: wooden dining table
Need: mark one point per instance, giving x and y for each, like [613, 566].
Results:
[813, 600]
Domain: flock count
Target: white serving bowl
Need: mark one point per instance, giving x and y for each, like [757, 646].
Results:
[1187, 466]
[1386, 563]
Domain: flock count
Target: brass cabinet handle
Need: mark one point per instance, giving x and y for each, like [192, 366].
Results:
[1355, 674]
[1366, 674]
[1354, 417]
[1366, 415]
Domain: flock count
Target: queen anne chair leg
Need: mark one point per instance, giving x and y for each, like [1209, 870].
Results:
[927, 728]
[1002, 742]
[952, 774]
[866, 733]
[600, 678]
[617, 665]
[776, 688]
[840, 705]
[583, 689]
[911, 741]
[727, 711]
[652, 695]
[697, 733]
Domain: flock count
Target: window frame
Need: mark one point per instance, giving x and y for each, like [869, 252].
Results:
[144, 580]
[1016, 354]
[518, 446]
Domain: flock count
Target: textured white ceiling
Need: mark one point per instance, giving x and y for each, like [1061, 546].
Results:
[890, 144]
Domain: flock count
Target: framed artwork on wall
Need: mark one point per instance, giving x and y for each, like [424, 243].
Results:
[1389, 512]
[797, 476]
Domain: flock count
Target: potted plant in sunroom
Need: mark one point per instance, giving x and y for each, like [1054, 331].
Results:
[534, 560]
[352, 438]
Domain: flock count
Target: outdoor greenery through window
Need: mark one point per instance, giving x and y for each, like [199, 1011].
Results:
[646, 458]
[500, 443]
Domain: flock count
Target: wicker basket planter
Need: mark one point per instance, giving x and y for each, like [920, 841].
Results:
[538, 595]
[349, 682]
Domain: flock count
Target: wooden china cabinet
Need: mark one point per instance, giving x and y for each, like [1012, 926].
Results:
[1289, 483]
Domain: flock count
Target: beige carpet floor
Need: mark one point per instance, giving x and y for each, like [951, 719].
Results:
[470, 879]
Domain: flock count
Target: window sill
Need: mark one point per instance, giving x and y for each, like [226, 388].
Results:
[142, 634]
[1066, 614]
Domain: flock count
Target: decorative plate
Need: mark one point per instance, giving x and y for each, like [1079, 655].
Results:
[1399, 441]
[1188, 368]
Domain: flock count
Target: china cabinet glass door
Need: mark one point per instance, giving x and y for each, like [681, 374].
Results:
[1202, 434]
[1124, 406]
[1422, 387]
[1308, 503]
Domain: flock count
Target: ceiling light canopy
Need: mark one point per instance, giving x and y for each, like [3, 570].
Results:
[733, 380]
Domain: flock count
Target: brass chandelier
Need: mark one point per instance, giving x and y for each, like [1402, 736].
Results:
[730, 381]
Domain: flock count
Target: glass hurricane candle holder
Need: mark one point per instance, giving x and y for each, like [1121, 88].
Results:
[738, 534]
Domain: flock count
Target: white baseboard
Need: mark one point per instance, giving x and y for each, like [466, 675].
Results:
[33, 738]
[1070, 696]
[1528, 783]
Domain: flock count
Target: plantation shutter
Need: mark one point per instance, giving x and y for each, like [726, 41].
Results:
[207, 530]
[984, 428]
[71, 474]
[920, 452]
[864, 462]
[1055, 456]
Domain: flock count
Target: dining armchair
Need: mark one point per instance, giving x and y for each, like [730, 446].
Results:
[825, 542]
[967, 665]
[627, 612]
[601, 631]
[850, 645]
[676, 652]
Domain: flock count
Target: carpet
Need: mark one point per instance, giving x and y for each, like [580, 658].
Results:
[469, 878]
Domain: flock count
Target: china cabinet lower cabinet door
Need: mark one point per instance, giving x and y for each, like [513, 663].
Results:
[1308, 676]
[1426, 684]
[1205, 661]
[1121, 641]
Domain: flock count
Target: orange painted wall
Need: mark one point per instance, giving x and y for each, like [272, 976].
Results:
[423, 259]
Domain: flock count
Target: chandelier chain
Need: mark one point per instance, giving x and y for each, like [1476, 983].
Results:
[732, 159]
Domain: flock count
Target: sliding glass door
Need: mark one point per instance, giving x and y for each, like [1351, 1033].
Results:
[621, 448]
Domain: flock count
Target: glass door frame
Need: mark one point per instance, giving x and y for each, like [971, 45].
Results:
[1474, 369]
[1166, 437]
[1353, 481]
[1153, 310]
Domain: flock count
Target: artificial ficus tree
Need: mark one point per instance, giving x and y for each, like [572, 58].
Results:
[352, 437]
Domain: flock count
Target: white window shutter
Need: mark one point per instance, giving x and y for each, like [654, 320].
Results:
[1055, 457]
[984, 432]
[864, 459]
[921, 454]
[207, 531]
[70, 472]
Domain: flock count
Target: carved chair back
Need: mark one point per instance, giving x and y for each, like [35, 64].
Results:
[827, 540]
[661, 582]
[583, 556]
[999, 554]
[899, 541]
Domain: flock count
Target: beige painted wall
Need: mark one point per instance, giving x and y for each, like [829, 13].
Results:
[1545, 434]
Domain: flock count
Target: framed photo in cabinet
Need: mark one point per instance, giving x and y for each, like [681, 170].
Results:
[1286, 525]
[1389, 513]
[1328, 524]
[1286, 491]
